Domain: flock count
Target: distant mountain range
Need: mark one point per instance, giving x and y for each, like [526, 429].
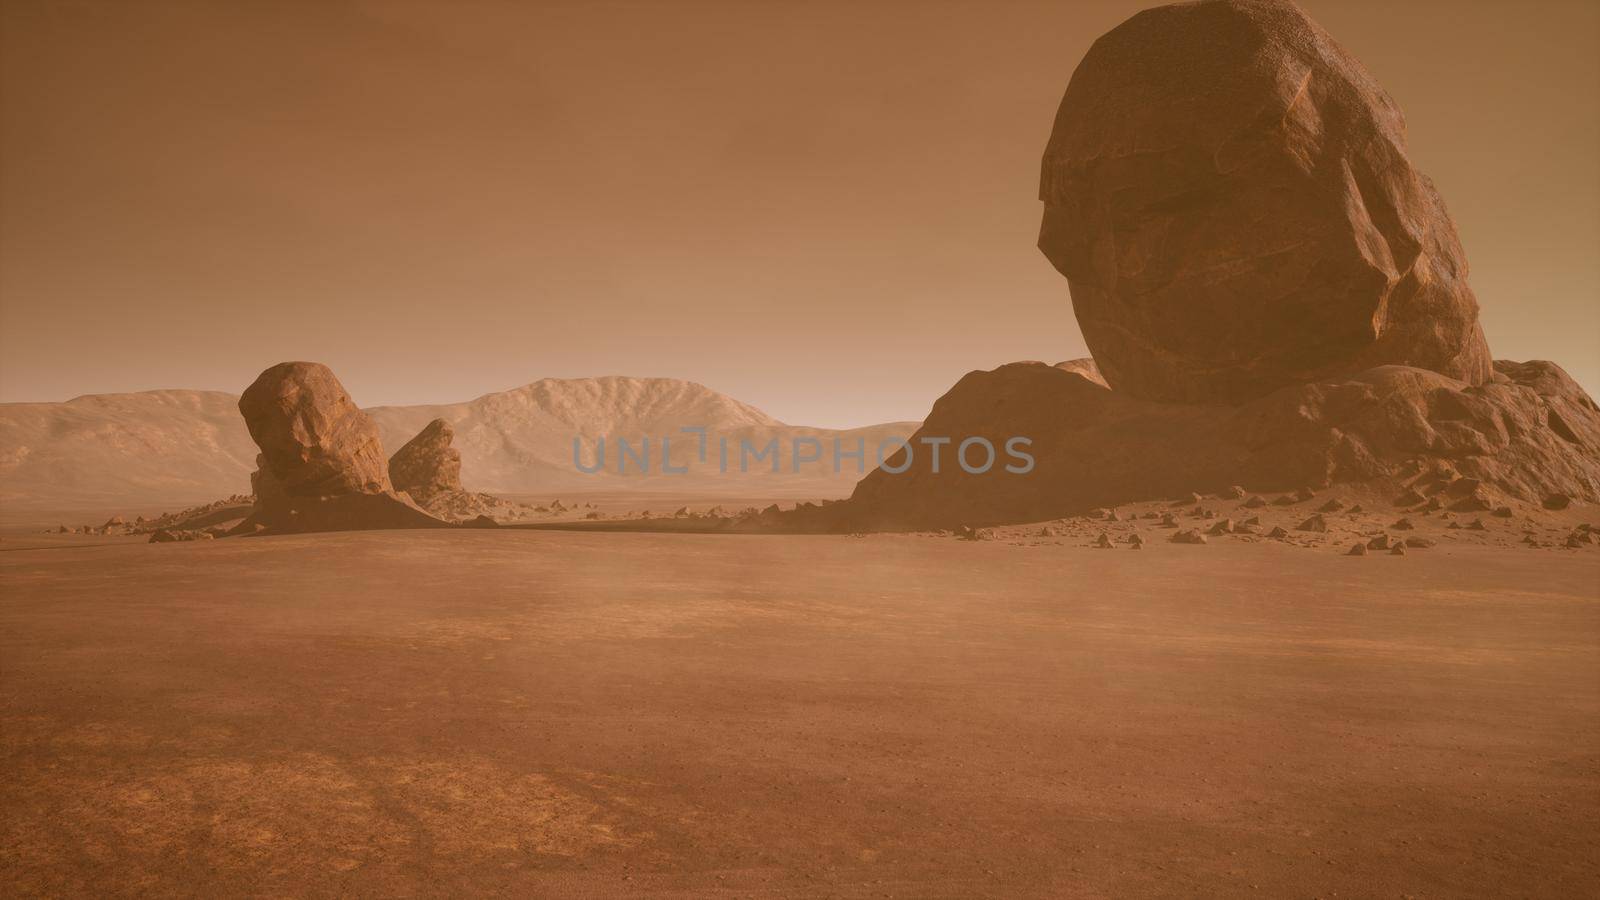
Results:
[169, 448]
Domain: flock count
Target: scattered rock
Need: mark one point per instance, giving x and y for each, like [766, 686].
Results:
[1557, 501]
[1277, 532]
[1357, 550]
[1381, 542]
[1234, 493]
[968, 533]
[1188, 536]
[1255, 502]
[1223, 527]
[1420, 543]
[1403, 525]
[1103, 541]
[1333, 505]
[1410, 498]
[1315, 523]
[1398, 550]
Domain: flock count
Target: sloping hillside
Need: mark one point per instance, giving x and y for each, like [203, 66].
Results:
[156, 447]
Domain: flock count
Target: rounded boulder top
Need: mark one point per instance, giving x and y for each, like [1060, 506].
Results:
[1227, 192]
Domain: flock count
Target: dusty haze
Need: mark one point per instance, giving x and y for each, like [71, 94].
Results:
[826, 211]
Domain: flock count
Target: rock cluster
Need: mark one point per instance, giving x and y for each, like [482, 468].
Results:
[321, 466]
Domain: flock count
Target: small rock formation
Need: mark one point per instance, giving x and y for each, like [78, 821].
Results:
[321, 466]
[428, 466]
[1228, 194]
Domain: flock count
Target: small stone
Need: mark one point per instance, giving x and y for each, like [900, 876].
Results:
[1315, 523]
[1420, 543]
[1403, 525]
[1357, 550]
[1557, 501]
[1409, 498]
[1333, 505]
[1397, 550]
[1188, 536]
[1255, 502]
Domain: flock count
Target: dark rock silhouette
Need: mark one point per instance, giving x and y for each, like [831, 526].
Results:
[1228, 194]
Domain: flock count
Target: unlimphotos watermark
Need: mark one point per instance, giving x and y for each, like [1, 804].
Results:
[974, 455]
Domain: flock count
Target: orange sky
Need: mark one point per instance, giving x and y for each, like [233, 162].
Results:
[824, 209]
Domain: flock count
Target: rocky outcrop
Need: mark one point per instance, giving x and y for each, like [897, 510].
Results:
[321, 466]
[1529, 433]
[427, 466]
[1227, 192]
[313, 440]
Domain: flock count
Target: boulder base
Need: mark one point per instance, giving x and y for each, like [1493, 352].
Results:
[1529, 433]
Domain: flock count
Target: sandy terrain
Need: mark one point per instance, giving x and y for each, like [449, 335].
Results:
[530, 713]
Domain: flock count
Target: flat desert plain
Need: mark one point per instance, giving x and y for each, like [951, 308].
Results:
[534, 713]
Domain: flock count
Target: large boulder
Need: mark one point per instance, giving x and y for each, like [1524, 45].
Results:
[1529, 433]
[1228, 194]
[321, 466]
[314, 441]
[427, 466]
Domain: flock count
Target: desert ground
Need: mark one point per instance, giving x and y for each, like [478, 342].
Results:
[542, 713]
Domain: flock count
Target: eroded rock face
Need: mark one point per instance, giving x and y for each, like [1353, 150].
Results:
[428, 466]
[314, 441]
[1228, 194]
[321, 466]
[1529, 433]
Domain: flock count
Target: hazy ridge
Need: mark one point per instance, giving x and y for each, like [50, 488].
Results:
[170, 447]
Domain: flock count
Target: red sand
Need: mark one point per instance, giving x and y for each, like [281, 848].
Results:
[565, 714]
